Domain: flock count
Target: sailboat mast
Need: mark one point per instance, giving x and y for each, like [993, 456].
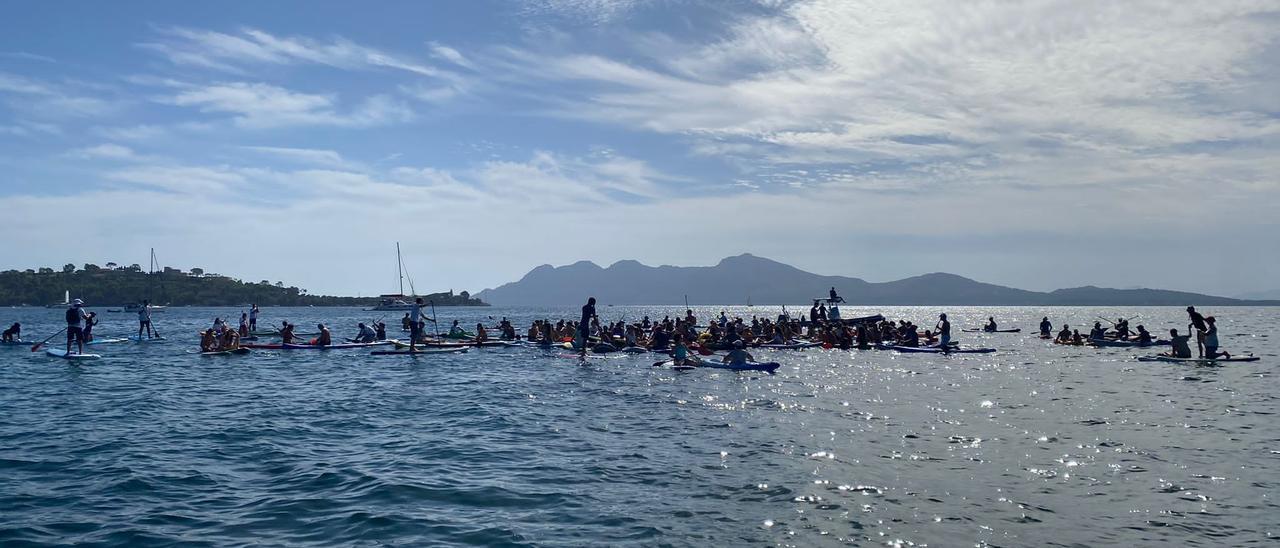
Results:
[400, 268]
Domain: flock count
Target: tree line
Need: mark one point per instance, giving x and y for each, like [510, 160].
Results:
[116, 285]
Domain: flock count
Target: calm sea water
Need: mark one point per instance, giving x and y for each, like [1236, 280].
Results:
[1036, 445]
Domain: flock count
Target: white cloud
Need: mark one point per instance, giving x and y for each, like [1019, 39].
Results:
[256, 105]
[105, 150]
[303, 155]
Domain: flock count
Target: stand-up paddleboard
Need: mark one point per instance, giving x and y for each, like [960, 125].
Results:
[937, 350]
[232, 352]
[144, 339]
[1017, 330]
[419, 352]
[339, 346]
[60, 353]
[108, 341]
[1172, 359]
[1124, 344]
[17, 343]
[767, 367]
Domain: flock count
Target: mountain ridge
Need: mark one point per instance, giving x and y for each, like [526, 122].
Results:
[741, 278]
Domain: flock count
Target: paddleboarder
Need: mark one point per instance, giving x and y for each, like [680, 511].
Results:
[75, 315]
[588, 314]
[1046, 328]
[1197, 323]
[944, 331]
[253, 318]
[144, 320]
[415, 323]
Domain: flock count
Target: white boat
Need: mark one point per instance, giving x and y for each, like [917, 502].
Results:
[66, 302]
[137, 307]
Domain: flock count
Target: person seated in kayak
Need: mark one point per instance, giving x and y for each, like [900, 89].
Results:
[12, 334]
[680, 353]
[1211, 340]
[380, 331]
[207, 341]
[1098, 332]
[1181, 345]
[482, 334]
[1046, 328]
[1064, 336]
[991, 325]
[406, 323]
[739, 355]
[1144, 337]
[324, 338]
[90, 320]
[365, 334]
[286, 332]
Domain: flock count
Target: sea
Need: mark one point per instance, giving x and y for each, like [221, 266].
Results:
[1033, 445]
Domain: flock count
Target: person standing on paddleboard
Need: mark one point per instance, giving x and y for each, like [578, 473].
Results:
[588, 314]
[253, 318]
[75, 315]
[415, 323]
[944, 331]
[144, 320]
[1197, 323]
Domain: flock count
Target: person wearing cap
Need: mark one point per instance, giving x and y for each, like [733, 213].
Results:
[75, 315]
[738, 355]
[144, 320]
[944, 331]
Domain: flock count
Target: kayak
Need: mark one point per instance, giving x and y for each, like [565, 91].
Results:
[234, 351]
[339, 346]
[996, 331]
[936, 350]
[60, 353]
[768, 367]
[108, 341]
[418, 352]
[1172, 359]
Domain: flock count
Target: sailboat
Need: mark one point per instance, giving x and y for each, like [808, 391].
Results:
[136, 307]
[397, 301]
[66, 301]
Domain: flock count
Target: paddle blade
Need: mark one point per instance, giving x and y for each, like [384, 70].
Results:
[36, 347]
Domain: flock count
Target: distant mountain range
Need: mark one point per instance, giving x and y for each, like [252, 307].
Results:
[749, 279]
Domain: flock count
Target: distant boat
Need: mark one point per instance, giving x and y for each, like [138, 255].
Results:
[137, 307]
[397, 301]
[66, 301]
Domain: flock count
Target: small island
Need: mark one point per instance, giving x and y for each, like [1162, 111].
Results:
[117, 285]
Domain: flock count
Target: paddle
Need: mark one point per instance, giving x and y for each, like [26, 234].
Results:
[37, 346]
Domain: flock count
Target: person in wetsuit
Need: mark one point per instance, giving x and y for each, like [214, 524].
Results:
[588, 314]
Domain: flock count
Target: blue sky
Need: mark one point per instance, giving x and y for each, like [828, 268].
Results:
[1040, 145]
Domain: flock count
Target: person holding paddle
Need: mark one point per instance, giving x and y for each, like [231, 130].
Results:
[588, 314]
[144, 320]
[75, 315]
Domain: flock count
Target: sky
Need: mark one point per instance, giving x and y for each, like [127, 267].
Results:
[1038, 144]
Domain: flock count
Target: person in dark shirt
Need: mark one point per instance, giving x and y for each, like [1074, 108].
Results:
[1197, 323]
[584, 326]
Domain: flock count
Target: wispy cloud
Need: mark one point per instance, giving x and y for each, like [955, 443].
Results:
[233, 51]
[257, 105]
[308, 156]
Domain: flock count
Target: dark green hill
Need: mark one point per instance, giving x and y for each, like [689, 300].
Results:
[124, 285]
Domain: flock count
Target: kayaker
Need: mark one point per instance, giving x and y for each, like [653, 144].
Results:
[1197, 323]
[253, 318]
[414, 316]
[74, 316]
[324, 338]
[738, 356]
[588, 314]
[944, 331]
[1046, 328]
[1181, 345]
[366, 334]
[1211, 340]
[991, 325]
[89, 321]
[144, 320]
[12, 334]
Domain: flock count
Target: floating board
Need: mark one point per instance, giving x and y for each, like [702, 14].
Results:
[339, 346]
[234, 351]
[16, 343]
[936, 350]
[1172, 359]
[767, 367]
[418, 352]
[108, 341]
[60, 353]
[996, 331]
[136, 338]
